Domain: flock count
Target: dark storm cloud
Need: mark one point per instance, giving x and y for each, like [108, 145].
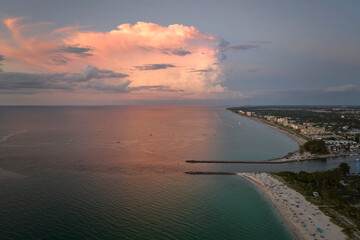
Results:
[154, 67]
[85, 79]
[16, 81]
[242, 47]
[89, 78]
[76, 50]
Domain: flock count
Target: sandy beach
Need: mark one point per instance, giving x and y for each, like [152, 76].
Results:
[304, 219]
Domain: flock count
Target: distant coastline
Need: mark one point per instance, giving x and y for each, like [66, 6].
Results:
[293, 156]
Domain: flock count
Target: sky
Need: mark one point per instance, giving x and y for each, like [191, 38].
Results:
[179, 52]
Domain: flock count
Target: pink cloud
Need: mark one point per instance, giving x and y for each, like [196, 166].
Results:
[150, 54]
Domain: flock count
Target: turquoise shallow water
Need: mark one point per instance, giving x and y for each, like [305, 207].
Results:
[166, 207]
[118, 173]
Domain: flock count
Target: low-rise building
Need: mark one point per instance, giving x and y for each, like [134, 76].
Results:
[313, 131]
[271, 118]
[283, 121]
[354, 131]
[296, 126]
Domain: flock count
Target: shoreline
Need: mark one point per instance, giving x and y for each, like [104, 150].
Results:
[300, 216]
[294, 156]
[300, 141]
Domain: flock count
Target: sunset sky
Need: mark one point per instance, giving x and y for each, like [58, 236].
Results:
[179, 52]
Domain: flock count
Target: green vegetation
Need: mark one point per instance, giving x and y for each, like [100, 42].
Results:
[345, 168]
[339, 193]
[316, 147]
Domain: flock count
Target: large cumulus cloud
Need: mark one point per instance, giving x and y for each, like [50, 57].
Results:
[175, 55]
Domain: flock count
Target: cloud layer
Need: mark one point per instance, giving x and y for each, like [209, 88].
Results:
[88, 78]
[154, 66]
[243, 47]
[344, 88]
[145, 56]
[79, 51]
[1, 59]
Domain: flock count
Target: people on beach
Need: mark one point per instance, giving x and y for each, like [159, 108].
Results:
[304, 218]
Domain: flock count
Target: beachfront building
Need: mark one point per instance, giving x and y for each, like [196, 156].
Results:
[313, 131]
[283, 121]
[271, 118]
[296, 126]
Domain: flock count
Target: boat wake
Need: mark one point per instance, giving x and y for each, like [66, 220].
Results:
[5, 138]
[5, 174]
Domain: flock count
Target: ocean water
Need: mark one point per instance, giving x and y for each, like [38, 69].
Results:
[118, 173]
